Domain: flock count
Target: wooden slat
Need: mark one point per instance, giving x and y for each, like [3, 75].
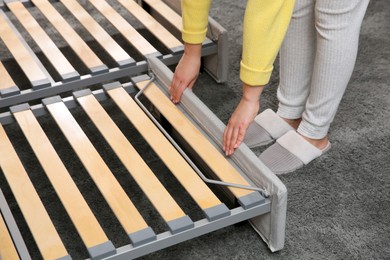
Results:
[7, 247]
[41, 227]
[198, 190]
[6, 81]
[134, 37]
[52, 53]
[24, 58]
[164, 10]
[152, 25]
[78, 45]
[81, 215]
[100, 35]
[151, 186]
[114, 194]
[210, 155]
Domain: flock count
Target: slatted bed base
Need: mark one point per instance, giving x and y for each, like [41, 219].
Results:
[51, 47]
[84, 123]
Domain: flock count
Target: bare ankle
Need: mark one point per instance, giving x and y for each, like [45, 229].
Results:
[294, 123]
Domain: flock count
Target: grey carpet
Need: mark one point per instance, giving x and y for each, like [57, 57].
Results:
[338, 206]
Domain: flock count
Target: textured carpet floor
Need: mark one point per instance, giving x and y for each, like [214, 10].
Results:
[338, 206]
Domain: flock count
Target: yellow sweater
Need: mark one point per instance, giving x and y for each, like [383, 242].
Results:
[265, 24]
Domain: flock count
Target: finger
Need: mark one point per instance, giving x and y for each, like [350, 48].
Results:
[176, 92]
[172, 87]
[233, 140]
[226, 138]
[240, 137]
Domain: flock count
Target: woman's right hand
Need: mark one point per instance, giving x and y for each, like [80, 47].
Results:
[241, 118]
[186, 72]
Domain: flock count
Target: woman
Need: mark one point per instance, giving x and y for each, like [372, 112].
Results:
[317, 58]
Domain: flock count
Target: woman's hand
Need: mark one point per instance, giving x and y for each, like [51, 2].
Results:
[243, 115]
[186, 71]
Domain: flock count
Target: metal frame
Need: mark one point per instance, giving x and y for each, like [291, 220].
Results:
[201, 227]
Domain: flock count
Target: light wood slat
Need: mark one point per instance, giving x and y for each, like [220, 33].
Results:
[198, 190]
[114, 194]
[171, 16]
[151, 186]
[151, 24]
[81, 215]
[78, 45]
[210, 155]
[100, 35]
[134, 37]
[41, 227]
[7, 247]
[24, 58]
[6, 81]
[164, 10]
[51, 51]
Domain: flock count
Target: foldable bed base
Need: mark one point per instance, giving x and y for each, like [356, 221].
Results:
[140, 174]
[143, 239]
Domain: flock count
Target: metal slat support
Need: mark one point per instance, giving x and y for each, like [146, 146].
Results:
[181, 224]
[11, 91]
[217, 212]
[142, 236]
[102, 251]
[251, 200]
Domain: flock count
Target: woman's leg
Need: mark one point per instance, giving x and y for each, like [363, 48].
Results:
[317, 79]
[337, 26]
[296, 62]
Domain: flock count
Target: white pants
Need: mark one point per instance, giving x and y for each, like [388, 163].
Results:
[316, 61]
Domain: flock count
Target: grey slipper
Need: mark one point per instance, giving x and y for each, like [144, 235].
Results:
[289, 153]
[266, 127]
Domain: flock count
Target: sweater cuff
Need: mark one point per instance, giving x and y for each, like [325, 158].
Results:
[194, 37]
[254, 77]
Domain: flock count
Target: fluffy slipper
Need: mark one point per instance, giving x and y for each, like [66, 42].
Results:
[266, 127]
[290, 152]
